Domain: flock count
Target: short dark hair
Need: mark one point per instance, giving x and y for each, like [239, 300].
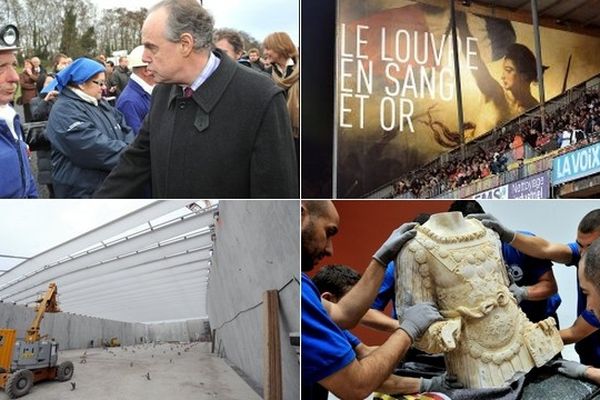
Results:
[336, 279]
[591, 222]
[591, 261]
[466, 207]
[232, 36]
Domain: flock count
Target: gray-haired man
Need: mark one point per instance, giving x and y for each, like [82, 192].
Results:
[215, 129]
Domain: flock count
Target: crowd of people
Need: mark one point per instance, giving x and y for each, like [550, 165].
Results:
[573, 125]
[101, 115]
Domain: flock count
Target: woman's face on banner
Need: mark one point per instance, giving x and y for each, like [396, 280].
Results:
[509, 74]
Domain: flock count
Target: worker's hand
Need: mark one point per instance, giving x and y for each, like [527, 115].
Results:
[416, 319]
[489, 221]
[520, 292]
[390, 249]
[571, 369]
[443, 384]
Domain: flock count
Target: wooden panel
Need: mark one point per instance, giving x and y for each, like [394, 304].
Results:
[272, 348]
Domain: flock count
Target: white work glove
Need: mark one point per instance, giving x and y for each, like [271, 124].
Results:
[489, 221]
[392, 246]
[417, 318]
[520, 292]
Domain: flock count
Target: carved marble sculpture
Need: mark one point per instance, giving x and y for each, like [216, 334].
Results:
[457, 264]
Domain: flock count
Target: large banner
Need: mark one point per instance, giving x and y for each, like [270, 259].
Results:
[396, 107]
[576, 164]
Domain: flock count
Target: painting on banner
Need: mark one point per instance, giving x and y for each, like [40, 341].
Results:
[396, 103]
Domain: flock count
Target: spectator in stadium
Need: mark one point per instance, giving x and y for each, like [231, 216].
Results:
[232, 44]
[120, 76]
[283, 57]
[518, 147]
[226, 127]
[28, 79]
[134, 101]
[16, 180]
[498, 164]
[87, 134]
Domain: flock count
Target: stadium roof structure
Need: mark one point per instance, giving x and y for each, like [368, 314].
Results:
[151, 264]
[581, 16]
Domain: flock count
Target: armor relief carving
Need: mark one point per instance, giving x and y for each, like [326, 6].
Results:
[485, 337]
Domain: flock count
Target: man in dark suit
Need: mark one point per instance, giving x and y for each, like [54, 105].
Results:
[215, 129]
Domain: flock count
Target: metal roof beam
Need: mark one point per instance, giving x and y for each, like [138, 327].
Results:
[110, 229]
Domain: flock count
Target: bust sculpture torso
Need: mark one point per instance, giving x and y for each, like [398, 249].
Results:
[457, 264]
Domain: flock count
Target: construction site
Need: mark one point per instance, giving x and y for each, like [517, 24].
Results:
[150, 300]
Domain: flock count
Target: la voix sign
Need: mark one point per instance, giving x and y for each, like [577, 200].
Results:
[577, 164]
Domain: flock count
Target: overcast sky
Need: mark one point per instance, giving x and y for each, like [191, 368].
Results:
[258, 18]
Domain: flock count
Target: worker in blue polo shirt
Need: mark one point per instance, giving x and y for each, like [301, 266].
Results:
[333, 282]
[584, 331]
[588, 275]
[327, 357]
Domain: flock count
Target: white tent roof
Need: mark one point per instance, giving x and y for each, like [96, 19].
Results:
[148, 265]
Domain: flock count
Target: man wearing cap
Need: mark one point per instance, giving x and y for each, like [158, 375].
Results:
[134, 101]
[16, 180]
[215, 129]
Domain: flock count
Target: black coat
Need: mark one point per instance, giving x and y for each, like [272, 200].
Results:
[232, 139]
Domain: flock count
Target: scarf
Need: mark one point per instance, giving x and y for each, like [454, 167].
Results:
[291, 84]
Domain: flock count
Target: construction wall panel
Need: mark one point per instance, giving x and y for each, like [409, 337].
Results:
[73, 331]
[256, 249]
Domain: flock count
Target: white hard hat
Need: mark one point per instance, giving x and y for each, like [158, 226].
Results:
[135, 57]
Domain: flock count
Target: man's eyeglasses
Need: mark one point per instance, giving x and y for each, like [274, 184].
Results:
[99, 83]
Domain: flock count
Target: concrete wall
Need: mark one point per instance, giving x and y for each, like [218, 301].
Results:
[192, 330]
[74, 331]
[256, 249]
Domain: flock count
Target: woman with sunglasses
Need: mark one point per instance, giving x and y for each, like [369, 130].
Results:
[87, 134]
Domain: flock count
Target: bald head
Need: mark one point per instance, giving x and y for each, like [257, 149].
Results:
[320, 222]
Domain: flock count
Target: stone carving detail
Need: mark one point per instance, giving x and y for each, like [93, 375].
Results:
[485, 337]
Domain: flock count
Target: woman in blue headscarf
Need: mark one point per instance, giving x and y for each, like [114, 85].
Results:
[87, 134]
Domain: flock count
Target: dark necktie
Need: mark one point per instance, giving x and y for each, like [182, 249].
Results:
[188, 92]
